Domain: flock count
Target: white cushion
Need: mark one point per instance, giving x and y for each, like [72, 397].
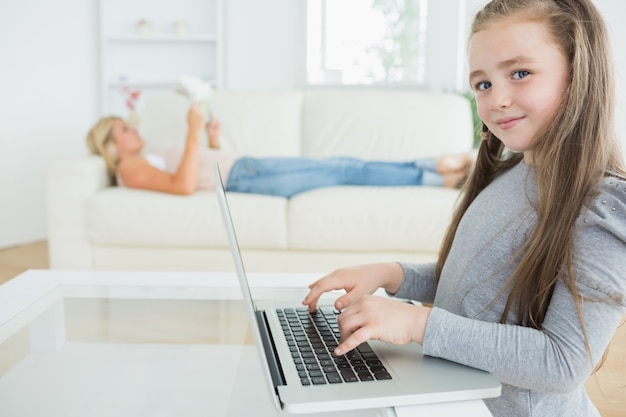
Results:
[122, 216]
[370, 218]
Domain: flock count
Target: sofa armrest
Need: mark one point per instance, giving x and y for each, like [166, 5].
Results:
[69, 184]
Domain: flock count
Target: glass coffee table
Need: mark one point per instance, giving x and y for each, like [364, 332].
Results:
[151, 344]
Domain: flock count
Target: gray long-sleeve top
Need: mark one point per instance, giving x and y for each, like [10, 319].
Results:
[542, 371]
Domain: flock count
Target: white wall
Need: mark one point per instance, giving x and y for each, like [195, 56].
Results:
[615, 14]
[265, 46]
[445, 56]
[49, 81]
[48, 84]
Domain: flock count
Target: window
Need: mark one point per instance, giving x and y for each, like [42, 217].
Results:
[366, 42]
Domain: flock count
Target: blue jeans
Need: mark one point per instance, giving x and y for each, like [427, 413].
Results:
[286, 177]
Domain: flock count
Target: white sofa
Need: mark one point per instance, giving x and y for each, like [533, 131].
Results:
[93, 225]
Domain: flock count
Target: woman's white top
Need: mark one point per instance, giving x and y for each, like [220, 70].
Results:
[169, 159]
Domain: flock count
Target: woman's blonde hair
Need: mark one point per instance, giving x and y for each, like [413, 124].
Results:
[571, 154]
[100, 142]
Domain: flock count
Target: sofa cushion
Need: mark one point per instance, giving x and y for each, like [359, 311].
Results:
[383, 124]
[127, 217]
[370, 218]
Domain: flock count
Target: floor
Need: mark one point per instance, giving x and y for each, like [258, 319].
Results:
[16, 260]
[607, 387]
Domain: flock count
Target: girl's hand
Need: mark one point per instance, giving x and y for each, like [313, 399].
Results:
[195, 119]
[356, 281]
[378, 318]
[213, 132]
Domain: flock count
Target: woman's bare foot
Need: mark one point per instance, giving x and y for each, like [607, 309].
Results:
[213, 133]
[454, 163]
[454, 179]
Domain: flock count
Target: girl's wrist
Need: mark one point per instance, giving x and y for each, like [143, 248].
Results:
[395, 276]
[420, 322]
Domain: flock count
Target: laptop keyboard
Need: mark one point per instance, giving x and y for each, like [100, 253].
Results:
[312, 338]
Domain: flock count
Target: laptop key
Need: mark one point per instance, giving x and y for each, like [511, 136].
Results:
[318, 380]
[382, 375]
[353, 355]
[365, 376]
[348, 375]
[313, 366]
[364, 347]
[334, 378]
[361, 368]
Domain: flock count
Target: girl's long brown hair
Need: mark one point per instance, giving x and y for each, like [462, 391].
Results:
[571, 155]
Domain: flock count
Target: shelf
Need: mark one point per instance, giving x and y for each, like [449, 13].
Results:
[149, 38]
[180, 37]
[148, 83]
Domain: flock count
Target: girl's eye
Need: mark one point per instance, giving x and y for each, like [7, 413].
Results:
[483, 85]
[517, 75]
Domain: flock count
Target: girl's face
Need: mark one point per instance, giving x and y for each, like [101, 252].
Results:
[126, 138]
[519, 75]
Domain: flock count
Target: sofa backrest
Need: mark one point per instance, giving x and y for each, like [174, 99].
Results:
[259, 123]
[369, 123]
[385, 124]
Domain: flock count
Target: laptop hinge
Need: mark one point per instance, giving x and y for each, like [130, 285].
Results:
[276, 371]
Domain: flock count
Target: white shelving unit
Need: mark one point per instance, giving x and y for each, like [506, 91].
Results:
[146, 46]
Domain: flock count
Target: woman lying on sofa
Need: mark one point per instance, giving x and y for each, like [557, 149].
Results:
[183, 171]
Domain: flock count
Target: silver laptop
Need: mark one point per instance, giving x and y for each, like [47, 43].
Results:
[303, 376]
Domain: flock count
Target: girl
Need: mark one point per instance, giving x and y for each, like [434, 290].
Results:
[182, 171]
[530, 282]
